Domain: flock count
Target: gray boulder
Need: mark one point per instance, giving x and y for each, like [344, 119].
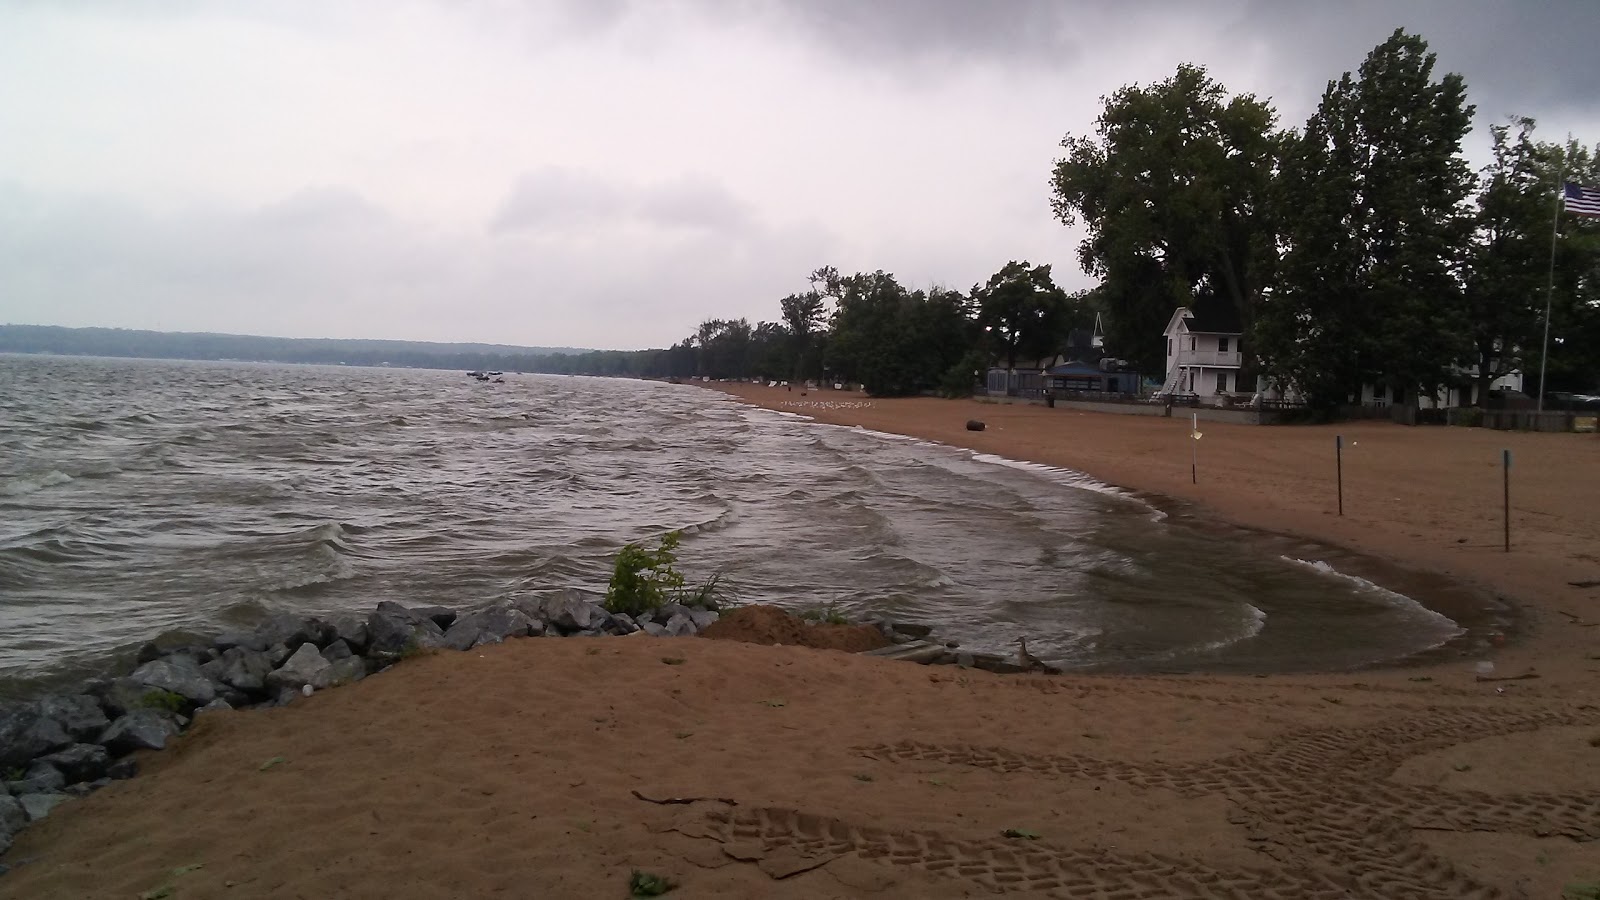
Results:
[292, 631]
[392, 630]
[13, 818]
[40, 778]
[246, 670]
[25, 732]
[337, 650]
[622, 623]
[216, 705]
[680, 625]
[123, 769]
[570, 614]
[345, 671]
[121, 696]
[79, 762]
[702, 619]
[177, 675]
[442, 616]
[142, 729]
[305, 666]
[654, 629]
[490, 626]
[37, 806]
[351, 630]
[666, 611]
[78, 715]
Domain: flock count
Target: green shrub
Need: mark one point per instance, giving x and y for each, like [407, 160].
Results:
[825, 615]
[644, 580]
[166, 701]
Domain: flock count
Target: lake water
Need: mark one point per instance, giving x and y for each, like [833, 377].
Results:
[138, 497]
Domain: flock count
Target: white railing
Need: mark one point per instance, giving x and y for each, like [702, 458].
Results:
[1210, 358]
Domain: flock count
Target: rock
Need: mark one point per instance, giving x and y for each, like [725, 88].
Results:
[286, 696]
[99, 783]
[123, 769]
[25, 732]
[899, 638]
[974, 425]
[337, 650]
[680, 625]
[442, 616]
[654, 629]
[13, 818]
[213, 670]
[40, 778]
[305, 666]
[346, 671]
[393, 630]
[121, 696]
[79, 762]
[214, 706]
[570, 613]
[292, 631]
[622, 623]
[277, 653]
[181, 678]
[463, 635]
[5, 844]
[79, 790]
[351, 630]
[247, 640]
[78, 715]
[246, 670]
[666, 611]
[702, 618]
[37, 806]
[142, 729]
[490, 626]
[150, 652]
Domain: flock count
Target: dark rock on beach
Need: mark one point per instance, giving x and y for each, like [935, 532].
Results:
[40, 778]
[37, 806]
[245, 670]
[79, 715]
[179, 675]
[12, 816]
[143, 729]
[305, 666]
[25, 733]
[79, 762]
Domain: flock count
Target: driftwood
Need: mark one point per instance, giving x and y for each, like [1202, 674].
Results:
[1523, 677]
[667, 801]
[1577, 619]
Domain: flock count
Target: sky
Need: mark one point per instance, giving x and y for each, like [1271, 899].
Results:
[609, 173]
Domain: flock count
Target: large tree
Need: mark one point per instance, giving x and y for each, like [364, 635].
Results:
[1372, 204]
[1171, 188]
[1022, 310]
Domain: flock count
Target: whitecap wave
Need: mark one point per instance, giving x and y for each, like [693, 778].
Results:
[1400, 602]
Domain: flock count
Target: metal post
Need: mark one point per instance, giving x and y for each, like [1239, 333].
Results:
[1338, 467]
[1506, 459]
[1194, 449]
[1550, 284]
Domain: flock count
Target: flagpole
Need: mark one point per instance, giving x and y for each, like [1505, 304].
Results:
[1550, 284]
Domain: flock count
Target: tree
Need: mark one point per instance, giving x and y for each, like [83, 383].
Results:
[1372, 204]
[1507, 260]
[1022, 310]
[802, 313]
[1171, 188]
[894, 341]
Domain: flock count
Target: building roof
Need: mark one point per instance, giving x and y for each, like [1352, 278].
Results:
[1214, 315]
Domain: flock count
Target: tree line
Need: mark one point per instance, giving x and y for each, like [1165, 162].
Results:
[1359, 248]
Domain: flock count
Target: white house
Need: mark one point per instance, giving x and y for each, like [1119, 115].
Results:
[1203, 352]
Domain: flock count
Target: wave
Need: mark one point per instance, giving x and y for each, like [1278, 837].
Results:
[23, 485]
[1255, 621]
[1400, 602]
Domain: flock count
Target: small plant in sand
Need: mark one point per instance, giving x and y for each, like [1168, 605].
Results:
[644, 580]
[825, 615]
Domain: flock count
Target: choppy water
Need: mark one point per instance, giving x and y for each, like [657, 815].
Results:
[142, 496]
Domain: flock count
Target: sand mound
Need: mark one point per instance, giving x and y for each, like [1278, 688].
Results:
[771, 625]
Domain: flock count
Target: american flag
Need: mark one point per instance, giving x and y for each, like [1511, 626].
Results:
[1581, 200]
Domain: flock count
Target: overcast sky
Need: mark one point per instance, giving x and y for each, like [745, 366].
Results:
[605, 173]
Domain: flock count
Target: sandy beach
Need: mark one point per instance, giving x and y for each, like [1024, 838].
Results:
[556, 768]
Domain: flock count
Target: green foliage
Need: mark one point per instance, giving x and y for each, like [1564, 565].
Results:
[1022, 833]
[1581, 890]
[826, 615]
[893, 341]
[644, 579]
[1022, 311]
[1171, 188]
[1372, 205]
[646, 884]
[163, 700]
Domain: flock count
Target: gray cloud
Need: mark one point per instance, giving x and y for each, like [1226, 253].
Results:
[556, 198]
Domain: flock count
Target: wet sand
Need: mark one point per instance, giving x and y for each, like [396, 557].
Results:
[534, 768]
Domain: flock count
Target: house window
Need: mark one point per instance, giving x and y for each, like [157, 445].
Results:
[1169, 346]
[1222, 380]
[1191, 343]
[1222, 345]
